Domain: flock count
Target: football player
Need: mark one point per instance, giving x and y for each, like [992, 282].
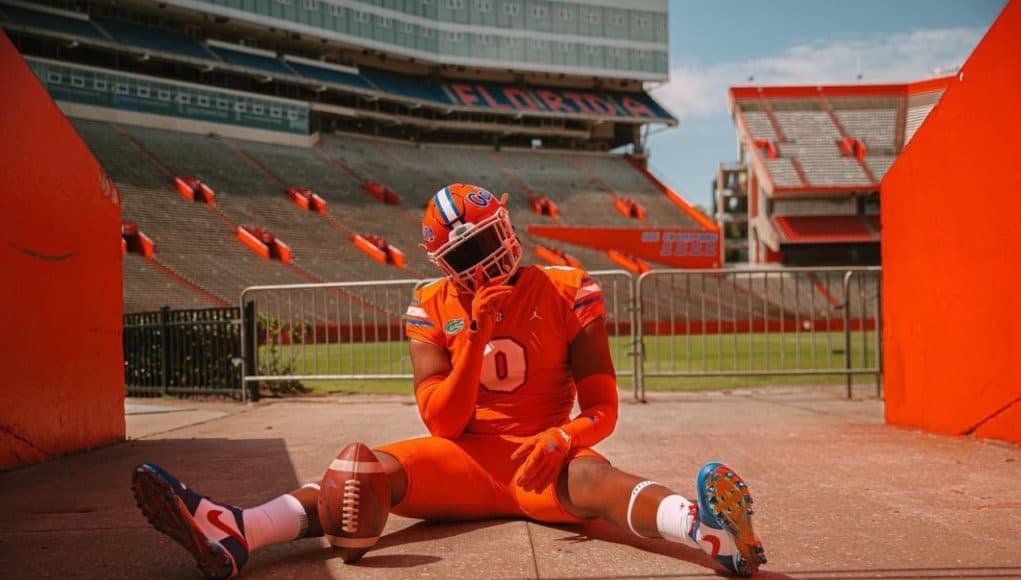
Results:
[500, 354]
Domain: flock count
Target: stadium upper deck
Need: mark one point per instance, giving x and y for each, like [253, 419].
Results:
[353, 66]
[626, 40]
[805, 189]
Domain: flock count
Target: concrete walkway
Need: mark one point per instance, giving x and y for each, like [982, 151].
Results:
[838, 494]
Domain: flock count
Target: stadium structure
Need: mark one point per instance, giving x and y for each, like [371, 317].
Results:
[291, 141]
[805, 188]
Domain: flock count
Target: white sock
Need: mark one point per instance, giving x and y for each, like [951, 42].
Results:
[279, 520]
[674, 519]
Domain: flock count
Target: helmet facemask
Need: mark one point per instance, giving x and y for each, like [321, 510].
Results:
[489, 244]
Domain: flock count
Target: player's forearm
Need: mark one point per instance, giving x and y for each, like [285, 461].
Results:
[597, 397]
[448, 403]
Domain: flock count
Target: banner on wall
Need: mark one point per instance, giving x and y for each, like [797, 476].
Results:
[554, 100]
[675, 247]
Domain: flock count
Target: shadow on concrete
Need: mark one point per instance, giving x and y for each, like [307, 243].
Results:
[76, 516]
[428, 531]
[606, 532]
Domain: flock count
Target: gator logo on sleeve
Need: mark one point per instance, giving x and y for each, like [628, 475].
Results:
[454, 326]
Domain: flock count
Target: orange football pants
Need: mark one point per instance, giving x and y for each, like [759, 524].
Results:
[473, 477]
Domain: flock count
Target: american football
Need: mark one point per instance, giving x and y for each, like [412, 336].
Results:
[354, 501]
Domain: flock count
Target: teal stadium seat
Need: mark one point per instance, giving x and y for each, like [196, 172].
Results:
[50, 21]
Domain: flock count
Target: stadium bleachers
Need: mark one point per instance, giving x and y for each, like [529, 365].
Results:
[250, 180]
[824, 228]
[407, 86]
[157, 39]
[806, 132]
[45, 18]
[329, 75]
[251, 60]
[919, 107]
[147, 288]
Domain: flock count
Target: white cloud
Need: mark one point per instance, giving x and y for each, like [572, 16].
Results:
[695, 91]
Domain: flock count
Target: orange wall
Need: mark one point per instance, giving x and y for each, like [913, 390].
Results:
[60, 286]
[952, 290]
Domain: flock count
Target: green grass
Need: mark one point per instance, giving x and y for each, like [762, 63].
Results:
[723, 353]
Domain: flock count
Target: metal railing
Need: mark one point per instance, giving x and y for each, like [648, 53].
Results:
[666, 326]
[757, 322]
[355, 330]
[181, 352]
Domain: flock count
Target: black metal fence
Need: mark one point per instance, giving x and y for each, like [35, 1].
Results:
[182, 352]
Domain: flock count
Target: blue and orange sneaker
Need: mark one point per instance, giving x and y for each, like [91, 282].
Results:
[213, 533]
[724, 523]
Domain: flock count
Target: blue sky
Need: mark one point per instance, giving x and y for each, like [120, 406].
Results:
[715, 44]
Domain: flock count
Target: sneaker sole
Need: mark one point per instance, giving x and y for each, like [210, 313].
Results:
[167, 513]
[731, 504]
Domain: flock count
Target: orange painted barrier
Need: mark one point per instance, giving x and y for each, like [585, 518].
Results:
[952, 316]
[668, 246]
[629, 263]
[307, 200]
[556, 257]
[62, 359]
[380, 250]
[252, 242]
[192, 189]
[134, 240]
[381, 192]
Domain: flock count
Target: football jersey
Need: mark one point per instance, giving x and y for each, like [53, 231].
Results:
[526, 385]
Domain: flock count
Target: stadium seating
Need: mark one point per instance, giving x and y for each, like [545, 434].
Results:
[919, 107]
[822, 229]
[407, 86]
[251, 179]
[251, 60]
[873, 120]
[328, 75]
[51, 19]
[157, 39]
[146, 287]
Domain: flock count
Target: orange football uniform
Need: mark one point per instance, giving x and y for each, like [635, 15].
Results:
[526, 387]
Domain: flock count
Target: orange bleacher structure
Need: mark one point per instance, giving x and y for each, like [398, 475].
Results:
[264, 243]
[379, 250]
[381, 192]
[135, 241]
[805, 189]
[951, 322]
[555, 256]
[192, 189]
[544, 206]
[307, 200]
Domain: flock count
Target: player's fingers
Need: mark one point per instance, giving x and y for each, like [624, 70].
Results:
[523, 449]
[479, 277]
[530, 467]
[542, 477]
[548, 475]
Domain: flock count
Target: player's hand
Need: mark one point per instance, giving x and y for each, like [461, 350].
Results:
[485, 305]
[547, 452]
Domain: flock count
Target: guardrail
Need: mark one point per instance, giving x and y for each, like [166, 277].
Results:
[664, 325]
[759, 322]
[355, 330]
